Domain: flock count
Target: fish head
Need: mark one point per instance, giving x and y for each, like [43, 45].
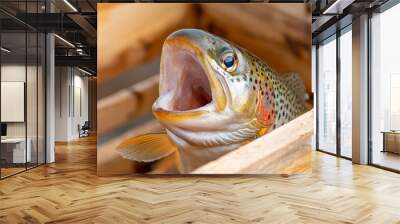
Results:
[201, 86]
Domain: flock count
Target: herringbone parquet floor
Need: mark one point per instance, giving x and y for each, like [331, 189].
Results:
[70, 192]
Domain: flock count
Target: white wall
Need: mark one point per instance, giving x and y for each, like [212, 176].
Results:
[71, 87]
[81, 103]
[33, 126]
[62, 81]
[12, 73]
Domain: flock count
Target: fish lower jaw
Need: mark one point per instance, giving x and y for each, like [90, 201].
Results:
[194, 156]
[204, 139]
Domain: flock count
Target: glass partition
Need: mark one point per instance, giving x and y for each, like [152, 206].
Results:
[22, 91]
[14, 153]
[346, 93]
[327, 95]
[334, 94]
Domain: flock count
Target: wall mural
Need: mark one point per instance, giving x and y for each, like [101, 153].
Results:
[204, 88]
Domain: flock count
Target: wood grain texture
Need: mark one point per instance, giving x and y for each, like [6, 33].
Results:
[126, 105]
[286, 150]
[137, 32]
[7, 171]
[280, 34]
[69, 191]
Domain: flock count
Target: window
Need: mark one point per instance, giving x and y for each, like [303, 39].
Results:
[346, 75]
[327, 96]
[385, 89]
[335, 74]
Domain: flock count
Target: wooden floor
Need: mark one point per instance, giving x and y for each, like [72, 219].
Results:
[387, 159]
[10, 171]
[70, 192]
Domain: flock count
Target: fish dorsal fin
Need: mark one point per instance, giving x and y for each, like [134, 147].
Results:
[295, 83]
[147, 147]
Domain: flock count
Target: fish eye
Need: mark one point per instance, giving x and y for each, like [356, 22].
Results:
[229, 61]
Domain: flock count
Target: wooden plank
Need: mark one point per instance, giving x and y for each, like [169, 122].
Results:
[132, 34]
[126, 105]
[277, 33]
[286, 150]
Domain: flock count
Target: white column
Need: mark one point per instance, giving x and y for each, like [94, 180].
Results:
[360, 90]
[50, 98]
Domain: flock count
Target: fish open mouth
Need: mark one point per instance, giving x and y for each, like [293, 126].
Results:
[184, 79]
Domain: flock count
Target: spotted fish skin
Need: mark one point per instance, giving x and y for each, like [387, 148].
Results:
[276, 99]
[286, 104]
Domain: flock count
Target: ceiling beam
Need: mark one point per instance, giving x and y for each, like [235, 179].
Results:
[49, 22]
[337, 7]
[81, 61]
[84, 24]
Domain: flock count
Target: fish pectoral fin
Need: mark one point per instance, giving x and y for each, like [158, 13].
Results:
[147, 147]
[296, 83]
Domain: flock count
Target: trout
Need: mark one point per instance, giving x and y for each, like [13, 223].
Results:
[214, 97]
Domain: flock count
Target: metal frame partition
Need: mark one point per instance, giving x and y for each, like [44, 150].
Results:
[337, 30]
[27, 29]
[318, 89]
